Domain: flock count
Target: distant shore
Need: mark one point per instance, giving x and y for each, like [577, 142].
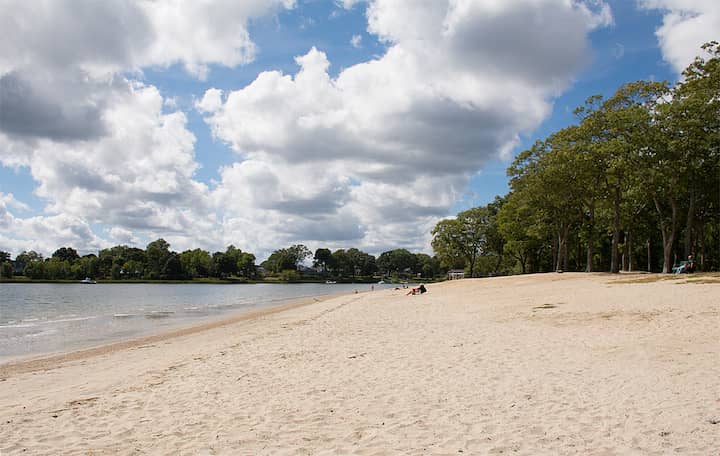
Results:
[567, 363]
[210, 281]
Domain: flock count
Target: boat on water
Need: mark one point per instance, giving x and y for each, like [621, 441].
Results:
[87, 280]
[330, 282]
[381, 282]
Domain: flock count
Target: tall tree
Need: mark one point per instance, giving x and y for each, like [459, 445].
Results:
[322, 257]
[464, 237]
[157, 253]
[66, 254]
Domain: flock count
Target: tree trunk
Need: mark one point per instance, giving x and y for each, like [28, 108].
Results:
[615, 254]
[591, 241]
[649, 257]
[565, 248]
[690, 222]
[629, 250]
[668, 233]
[561, 263]
[497, 265]
[701, 236]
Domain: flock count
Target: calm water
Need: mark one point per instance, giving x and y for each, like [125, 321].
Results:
[44, 318]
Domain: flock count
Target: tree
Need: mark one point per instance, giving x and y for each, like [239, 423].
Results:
[693, 126]
[196, 263]
[226, 263]
[286, 259]
[322, 257]
[341, 263]
[157, 254]
[464, 237]
[6, 270]
[623, 125]
[26, 259]
[517, 224]
[246, 265]
[428, 266]
[361, 263]
[172, 269]
[298, 253]
[35, 270]
[66, 254]
[396, 261]
[4, 256]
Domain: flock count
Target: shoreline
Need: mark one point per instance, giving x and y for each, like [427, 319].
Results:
[48, 361]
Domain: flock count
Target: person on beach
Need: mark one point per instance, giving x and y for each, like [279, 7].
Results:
[688, 267]
[419, 290]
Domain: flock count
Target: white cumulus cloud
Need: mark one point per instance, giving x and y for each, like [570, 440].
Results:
[687, 25]
[401, 134]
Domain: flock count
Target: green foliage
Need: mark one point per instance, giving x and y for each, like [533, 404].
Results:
[6, 270]
[637, 177]
[461, 240]
[322, 258]
[395, 262]
[66, 254]
[286, 259]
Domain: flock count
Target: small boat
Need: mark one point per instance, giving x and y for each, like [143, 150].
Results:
[330, 282]
[381, 282]
[87, 280]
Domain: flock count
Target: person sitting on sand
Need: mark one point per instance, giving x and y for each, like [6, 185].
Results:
[688, 267]
[419, 290]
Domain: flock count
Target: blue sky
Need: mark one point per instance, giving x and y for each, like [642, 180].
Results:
[265, 123]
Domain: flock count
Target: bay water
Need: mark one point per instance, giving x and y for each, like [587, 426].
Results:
[40, 319]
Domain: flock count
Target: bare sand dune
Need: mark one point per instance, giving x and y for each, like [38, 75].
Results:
[544, 364]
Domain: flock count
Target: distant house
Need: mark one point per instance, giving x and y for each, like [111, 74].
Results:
[455, 274]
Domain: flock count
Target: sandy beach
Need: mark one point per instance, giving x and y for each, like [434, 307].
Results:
[590, 364]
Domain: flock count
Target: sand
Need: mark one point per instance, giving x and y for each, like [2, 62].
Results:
[544, 364]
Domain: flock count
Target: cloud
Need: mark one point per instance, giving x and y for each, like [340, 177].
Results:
[138, 176]
[43, 234]
[102, 147]
[30, 108]
[348, 4]
[60, 59]
[210, 102]
[116, 35]
[371, 157]
[459, 82]
[687, 25]
[356, 41]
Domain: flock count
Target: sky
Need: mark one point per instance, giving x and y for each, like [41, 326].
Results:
[268, 123]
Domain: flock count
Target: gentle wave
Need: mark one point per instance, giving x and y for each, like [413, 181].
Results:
[41, 333]
[19, 325]
[33, 322]
[159, 314]
[65, 320]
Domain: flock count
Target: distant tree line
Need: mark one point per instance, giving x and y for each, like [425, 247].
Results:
[156, 262]
[351, 264]
[635, 185]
